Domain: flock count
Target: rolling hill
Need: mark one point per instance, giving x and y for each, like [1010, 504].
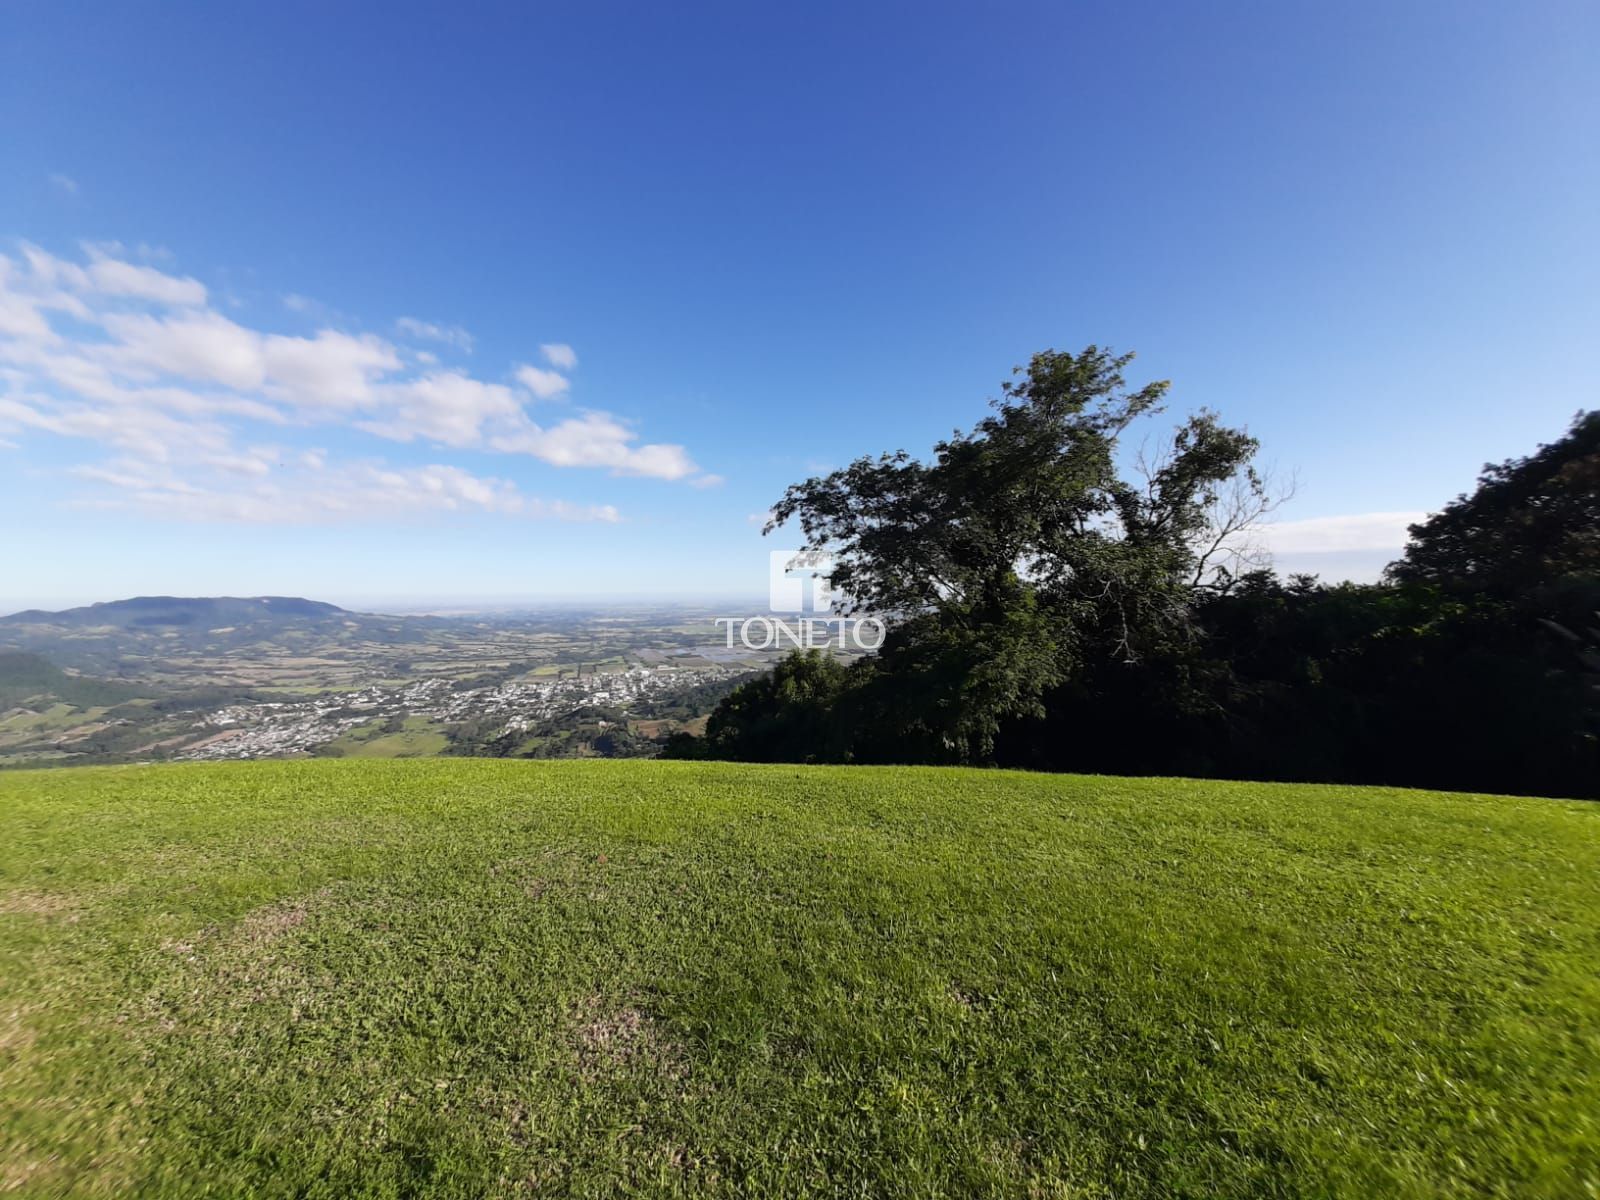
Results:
[473, 978]
[178, 637]
[30, 677]
[157, 612]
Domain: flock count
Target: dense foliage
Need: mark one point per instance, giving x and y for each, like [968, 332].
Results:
[1048, 612]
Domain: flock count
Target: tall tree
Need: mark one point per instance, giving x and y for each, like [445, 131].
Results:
[1019, 551]
[1531, 522]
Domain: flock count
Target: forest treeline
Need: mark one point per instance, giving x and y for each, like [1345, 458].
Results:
[1053, 607]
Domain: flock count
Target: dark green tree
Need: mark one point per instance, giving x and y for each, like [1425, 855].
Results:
[1018, 553]
[785, 715]
[1047, 612]
[1531, 522]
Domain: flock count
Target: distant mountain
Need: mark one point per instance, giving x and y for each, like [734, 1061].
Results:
[28, 677]
[179, 612]
[183, 640]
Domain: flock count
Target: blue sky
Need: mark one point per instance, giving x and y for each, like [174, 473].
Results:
[378, 303]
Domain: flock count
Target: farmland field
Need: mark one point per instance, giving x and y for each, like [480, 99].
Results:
[481, 978]
[492, 685]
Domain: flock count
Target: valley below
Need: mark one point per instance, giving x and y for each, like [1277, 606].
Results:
[164, 678]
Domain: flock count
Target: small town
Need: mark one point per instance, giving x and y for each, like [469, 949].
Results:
[276, 728]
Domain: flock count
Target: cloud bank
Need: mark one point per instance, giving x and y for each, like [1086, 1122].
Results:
[136, 360]
[1375, 531]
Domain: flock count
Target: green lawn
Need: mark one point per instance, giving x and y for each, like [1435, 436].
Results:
[477, 978]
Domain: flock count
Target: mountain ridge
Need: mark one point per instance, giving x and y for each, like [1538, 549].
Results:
[166, 611]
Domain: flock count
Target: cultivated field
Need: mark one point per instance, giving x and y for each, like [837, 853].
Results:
[478, 978]
[497, 686]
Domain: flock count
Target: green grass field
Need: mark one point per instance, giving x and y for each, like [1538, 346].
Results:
[418, 737]
[483, 978]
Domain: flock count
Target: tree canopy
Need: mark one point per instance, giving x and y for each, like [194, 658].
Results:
[1057, 602]
[1531, 522]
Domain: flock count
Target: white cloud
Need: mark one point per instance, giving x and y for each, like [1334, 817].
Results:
[64, 183]
[137, 476]
[202, 346]
[1329, 535]
[147, 432]
[352, 492]
[658, 462]
[450, 335]
[113, 277]
[20, 316]
[331, 369]
[149, 369]
[543, 384]
[48, 271]
[295, 302]
[707, 481]
[446, 407]
[563, 511]
[598, 439]
[256, 462]
[559, 355]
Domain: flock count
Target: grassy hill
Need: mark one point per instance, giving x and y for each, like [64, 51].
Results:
[474, 978]
[28, 677]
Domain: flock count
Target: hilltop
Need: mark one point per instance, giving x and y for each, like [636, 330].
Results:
[472, 978]
[164, 637]
[149, 612]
